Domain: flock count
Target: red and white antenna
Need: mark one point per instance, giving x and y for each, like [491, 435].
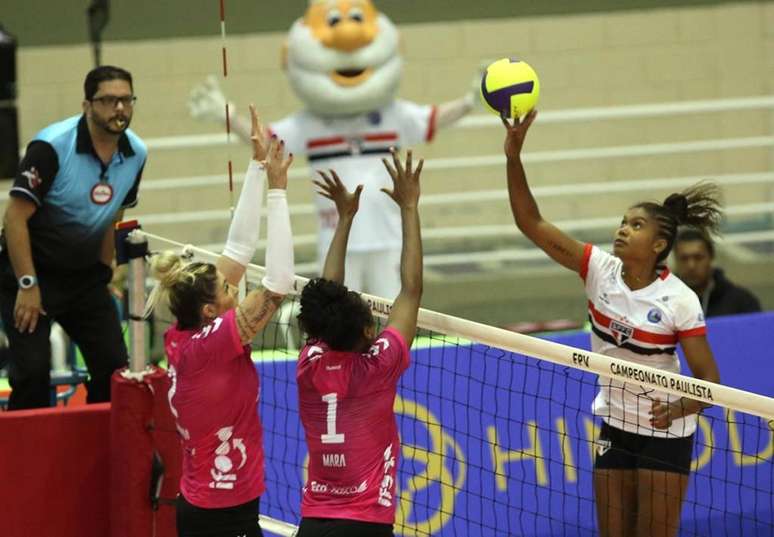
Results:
[228, 112]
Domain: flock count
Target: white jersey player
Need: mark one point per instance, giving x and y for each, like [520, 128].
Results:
[639, 313]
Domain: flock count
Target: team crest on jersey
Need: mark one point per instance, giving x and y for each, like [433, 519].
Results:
[102, 193]
[654, 316]
[621, 332]
[33, 177]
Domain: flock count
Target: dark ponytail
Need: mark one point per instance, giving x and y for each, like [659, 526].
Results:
[332, 313]
[696, 206]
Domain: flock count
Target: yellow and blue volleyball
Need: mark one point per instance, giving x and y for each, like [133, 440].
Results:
[510, 88]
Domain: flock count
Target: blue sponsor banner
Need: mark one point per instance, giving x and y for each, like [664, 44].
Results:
[495, 443]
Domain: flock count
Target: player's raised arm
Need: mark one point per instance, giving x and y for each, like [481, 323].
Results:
[558, 245]
[245, 225]
[347, 204]
[405, 193]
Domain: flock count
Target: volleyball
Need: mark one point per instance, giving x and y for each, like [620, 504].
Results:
[510, 87]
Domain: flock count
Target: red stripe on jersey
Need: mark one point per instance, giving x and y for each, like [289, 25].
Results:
[698, 331]
[431, 124]
[584, 268]
[639, 335]
[384, 137]
[664, 272]
[321, 142]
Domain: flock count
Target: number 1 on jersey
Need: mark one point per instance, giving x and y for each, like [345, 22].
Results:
[331, 437]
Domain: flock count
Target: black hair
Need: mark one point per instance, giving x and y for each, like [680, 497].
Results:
[690, 234]
[104, 73]
[696, 206]
[332, 313]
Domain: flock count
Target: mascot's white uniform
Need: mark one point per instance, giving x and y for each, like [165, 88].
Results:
[342, 61]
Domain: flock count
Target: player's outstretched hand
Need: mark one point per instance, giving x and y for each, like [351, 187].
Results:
[405, 180]
[331, 187]
[277, 164]
[258, 136]
[207, 102]
[516, 132]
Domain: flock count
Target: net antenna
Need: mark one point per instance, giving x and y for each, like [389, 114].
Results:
[98, 14]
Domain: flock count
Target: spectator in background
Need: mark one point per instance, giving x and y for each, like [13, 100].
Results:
[76, 178]
[694, 255]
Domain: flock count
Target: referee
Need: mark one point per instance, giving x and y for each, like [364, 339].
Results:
[75, 180]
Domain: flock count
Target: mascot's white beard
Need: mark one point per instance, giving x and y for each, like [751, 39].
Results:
[310, 65]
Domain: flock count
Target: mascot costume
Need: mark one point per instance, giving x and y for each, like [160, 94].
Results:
[342, 61]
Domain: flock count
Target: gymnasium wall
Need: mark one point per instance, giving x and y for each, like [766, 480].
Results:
[37, 23]
[630, 56]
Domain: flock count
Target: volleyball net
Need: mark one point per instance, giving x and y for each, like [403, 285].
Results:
[497, 432]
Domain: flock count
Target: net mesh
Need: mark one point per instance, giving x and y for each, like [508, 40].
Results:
[500, 443]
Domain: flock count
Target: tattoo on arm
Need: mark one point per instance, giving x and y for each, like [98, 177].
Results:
[252, 315]
[559, 248]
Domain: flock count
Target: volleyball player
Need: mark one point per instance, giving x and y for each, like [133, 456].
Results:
[215, 386]
[347, 375]
[639, 312]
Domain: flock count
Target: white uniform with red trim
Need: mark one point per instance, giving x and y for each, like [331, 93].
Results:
[354, 147]
[642, 326]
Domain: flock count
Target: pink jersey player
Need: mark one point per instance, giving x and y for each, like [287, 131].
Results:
[347, 375]
[214, 390]
[352, 473]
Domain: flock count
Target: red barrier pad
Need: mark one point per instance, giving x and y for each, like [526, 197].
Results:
[140, 424]
[53, 472]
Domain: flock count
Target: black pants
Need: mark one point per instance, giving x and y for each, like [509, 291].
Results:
[237, 521]
[81, 303]
[339, 527]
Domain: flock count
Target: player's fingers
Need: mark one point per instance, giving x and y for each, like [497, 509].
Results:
[358, 191]
[287, 162]
[389, 192]
[396, 161]
[419, 168]
[529, 118]
[329, 183]
[253, 118]
[390, 169]
[336, 178]
[408, 162]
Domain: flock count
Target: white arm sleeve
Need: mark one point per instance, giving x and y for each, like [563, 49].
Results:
[246, 223]
[280, 266]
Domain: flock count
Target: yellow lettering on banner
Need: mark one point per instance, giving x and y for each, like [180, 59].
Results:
[592, 433]
[570, 473]
[500, 458]
[440, 458]
[740, 457]
[706, 449]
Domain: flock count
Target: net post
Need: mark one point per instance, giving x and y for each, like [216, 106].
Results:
[131, 248]
[138, 248]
